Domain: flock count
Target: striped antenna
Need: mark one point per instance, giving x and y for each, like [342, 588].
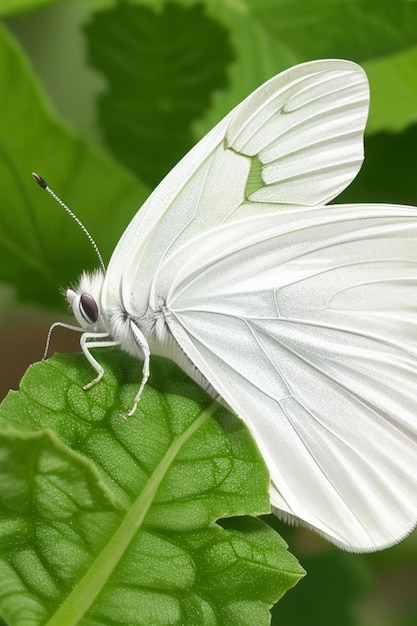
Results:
[42, 183]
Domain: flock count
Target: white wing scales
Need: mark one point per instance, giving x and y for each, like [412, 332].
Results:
[305, 323]
[304, 131]
[302, 317]
[306, 107]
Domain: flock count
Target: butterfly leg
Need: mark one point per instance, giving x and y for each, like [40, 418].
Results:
[51, 329]
[95, 344]
[144, 346]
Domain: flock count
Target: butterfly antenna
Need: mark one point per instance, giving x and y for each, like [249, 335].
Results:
[42, 183]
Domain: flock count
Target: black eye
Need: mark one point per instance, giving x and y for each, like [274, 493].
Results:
[88, 308]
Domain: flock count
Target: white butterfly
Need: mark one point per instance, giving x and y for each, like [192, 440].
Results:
[301, 316]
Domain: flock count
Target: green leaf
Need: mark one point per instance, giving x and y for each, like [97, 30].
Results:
[35, 257]
[324, 29]
[270, 35]
[162, 69]
[387, 151]
[393, 84]
[111, 521]
[342, 578]
[13, 7]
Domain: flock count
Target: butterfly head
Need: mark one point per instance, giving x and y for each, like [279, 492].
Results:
[84, 301]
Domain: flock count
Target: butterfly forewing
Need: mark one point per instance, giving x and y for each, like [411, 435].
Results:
[306, 127]
[327, 99]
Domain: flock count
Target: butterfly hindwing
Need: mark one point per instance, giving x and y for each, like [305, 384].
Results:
[305, 323]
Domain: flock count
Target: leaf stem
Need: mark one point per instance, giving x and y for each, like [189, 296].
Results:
[90, 586]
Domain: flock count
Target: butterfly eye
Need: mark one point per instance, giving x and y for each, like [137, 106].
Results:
[88, 308]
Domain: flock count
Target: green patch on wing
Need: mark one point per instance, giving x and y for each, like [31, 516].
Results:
[254, 181]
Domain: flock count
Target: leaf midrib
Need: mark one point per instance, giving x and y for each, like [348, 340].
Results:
[86, 591]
